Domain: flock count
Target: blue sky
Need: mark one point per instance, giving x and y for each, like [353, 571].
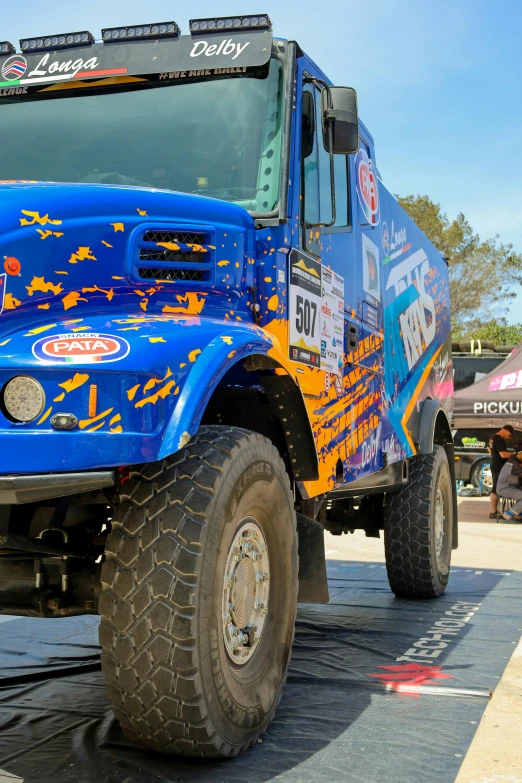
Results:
[439, 85]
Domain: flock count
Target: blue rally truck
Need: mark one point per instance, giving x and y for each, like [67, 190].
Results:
[220, 335]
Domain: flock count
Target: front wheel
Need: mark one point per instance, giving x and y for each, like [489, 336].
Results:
[418, 529]
[199, 595]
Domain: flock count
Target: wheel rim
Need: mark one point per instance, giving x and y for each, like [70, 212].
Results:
[487, 478]
[245, 592]
[439, 522]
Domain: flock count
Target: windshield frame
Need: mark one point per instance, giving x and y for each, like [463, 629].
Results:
[284, 53]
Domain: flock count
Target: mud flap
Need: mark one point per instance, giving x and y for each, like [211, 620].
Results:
[313, 584]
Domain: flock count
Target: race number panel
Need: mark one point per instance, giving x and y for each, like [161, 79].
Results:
[316, 314]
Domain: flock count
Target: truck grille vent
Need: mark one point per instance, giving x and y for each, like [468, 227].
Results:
[178, 237]
[186, 256]
[197, 275]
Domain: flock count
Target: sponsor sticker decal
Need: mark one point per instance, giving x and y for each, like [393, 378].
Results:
[14, 68]
[367, 188]
[85, 348]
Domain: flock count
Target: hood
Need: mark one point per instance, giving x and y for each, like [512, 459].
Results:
[72, 249]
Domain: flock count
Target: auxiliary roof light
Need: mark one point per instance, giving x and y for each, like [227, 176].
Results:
[229, 23]
[49, 42]
[139, 32]
[6, 47]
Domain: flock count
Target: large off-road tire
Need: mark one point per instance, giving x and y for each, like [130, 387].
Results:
[181, 549]
[418, 527]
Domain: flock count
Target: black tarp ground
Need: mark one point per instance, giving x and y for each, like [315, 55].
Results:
[336, 722]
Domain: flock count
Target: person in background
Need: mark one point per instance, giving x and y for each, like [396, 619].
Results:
[509, 485]
[499, 457]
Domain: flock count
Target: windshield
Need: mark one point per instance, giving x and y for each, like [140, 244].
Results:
[218, 136]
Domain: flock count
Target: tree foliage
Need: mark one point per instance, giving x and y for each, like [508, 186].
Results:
[498, 332]
[484, 273]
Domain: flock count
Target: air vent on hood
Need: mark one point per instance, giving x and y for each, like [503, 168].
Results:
[168, 254]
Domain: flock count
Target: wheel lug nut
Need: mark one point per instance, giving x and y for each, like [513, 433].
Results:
[266, 576]
[259, 577]
[259, 604]
[247, 546]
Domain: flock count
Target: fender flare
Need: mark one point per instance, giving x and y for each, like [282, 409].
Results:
[433, 417]
[211, 366]
[432, 411]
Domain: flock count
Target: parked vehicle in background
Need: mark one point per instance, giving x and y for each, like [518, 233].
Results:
[472, 361]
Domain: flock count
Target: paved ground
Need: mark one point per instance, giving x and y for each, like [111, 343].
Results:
[495, 755]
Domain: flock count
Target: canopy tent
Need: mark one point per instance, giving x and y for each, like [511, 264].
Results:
[494, 400]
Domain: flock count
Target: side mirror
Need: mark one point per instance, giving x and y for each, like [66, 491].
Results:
[339, 105]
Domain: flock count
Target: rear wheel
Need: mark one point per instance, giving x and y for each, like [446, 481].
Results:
[199, 595]
[418, 528]
[481, 477]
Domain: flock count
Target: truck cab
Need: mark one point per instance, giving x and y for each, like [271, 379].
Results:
[220, 335]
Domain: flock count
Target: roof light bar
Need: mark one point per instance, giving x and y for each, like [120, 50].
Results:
[139, 32]
[50, 42]
[225, 23]
[6, 47]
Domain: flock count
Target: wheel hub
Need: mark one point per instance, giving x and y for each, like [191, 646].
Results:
[245, 592]
[439, 523]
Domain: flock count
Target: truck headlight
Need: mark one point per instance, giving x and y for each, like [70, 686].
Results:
[23, 398]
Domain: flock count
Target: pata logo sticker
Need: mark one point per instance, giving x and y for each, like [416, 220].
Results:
[367, 187]
[81, 348]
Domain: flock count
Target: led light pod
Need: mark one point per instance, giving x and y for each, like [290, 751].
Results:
[226, 24]
[23, 398]
[50, 42]
[139, 32]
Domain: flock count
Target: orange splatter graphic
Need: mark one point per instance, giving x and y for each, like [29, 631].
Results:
[160, 394]
[194, 354]
[82, 254]
[115, 419]
[143, 304]
[6, 341]
[71, 384]
[72, 299]
[60, 397]
[152, 382]
[168, 245]
[142, 212]
[108, 294]
[117, 277]
[38, 284]
[118, 227]
[87, 422]
[109, 245]
[44, 306]
[44, 233]
[59, 272]
[11, 302]
[45, 416]
[197, 248]
[131, 393]
[273, 302]
[118, 428]
[223, 263]
[227, 340]
[36, 218]
[157, 340]
[194, 303]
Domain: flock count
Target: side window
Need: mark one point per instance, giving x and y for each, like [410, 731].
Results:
[317, 192]
[309, 158]
[342, 204]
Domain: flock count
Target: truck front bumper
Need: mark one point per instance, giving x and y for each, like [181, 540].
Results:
[27, 489]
